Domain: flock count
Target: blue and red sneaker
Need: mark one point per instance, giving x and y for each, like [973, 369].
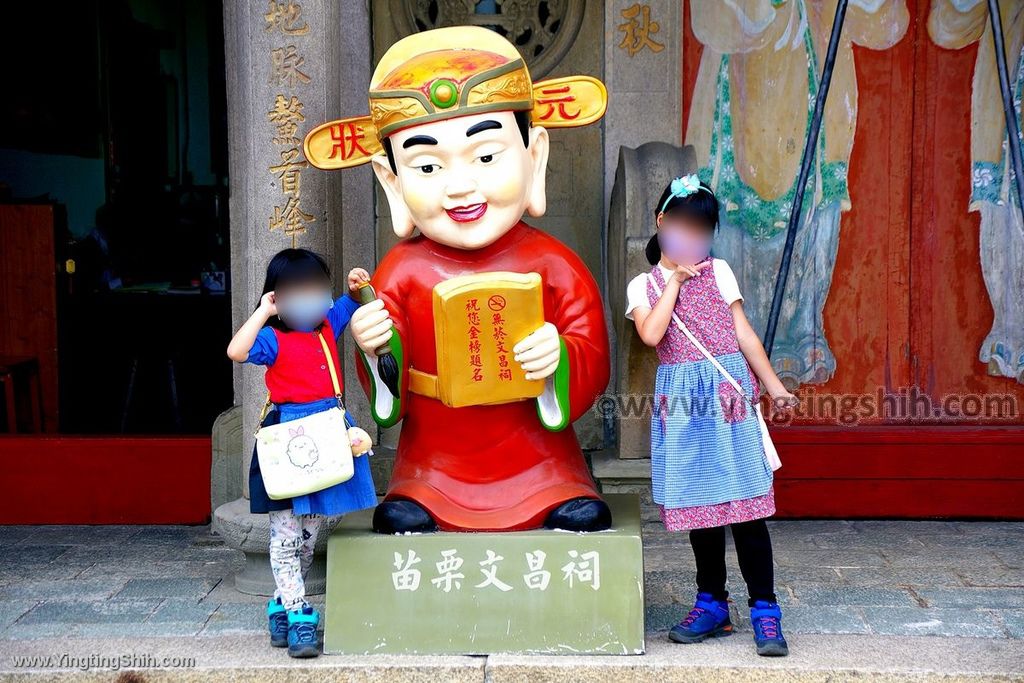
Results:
[766, 619]
[709, 618]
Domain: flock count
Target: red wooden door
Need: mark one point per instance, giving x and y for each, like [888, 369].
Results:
[907, 311]
[28, 326]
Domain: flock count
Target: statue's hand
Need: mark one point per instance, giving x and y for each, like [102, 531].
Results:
[539, 352]
[370, 326]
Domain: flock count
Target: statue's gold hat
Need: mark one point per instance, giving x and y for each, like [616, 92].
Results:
[444, 73]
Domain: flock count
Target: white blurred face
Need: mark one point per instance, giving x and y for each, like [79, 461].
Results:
[466, 181]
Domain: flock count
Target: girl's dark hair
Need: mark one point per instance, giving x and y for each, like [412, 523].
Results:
[294, 267]
[701, 207]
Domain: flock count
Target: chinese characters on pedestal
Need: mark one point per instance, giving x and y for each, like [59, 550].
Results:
[581, 570]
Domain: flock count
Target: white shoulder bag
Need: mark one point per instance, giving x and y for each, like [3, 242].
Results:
[308, 454]
[769, 447]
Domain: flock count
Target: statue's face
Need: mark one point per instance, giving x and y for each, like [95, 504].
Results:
[466, 181]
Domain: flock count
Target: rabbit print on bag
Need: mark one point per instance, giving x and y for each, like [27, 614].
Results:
[301, 448]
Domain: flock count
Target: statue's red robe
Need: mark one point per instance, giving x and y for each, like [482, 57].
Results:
[492, 467]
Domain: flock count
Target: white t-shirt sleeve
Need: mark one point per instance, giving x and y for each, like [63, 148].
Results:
[726, 280]
[636, 294]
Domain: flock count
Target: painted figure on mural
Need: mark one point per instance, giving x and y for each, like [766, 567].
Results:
[955, 24]
[457, 138]
[752, 103]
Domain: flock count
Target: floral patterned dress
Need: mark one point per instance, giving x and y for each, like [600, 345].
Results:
[708, 465]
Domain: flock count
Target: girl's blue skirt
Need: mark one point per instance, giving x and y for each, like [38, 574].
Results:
[355, 494]
[697, 456]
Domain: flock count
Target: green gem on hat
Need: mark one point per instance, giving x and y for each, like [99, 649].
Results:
[443, 93]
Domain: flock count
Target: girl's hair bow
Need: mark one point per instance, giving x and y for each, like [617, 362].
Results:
[684, 186]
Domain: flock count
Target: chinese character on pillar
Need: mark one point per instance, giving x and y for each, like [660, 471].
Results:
[285, 116]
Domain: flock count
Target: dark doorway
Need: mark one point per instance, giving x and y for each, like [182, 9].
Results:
[115, 119]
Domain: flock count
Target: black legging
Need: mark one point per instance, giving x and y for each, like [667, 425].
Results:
[754, 551]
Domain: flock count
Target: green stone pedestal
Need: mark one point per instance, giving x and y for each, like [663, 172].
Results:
[538, 591]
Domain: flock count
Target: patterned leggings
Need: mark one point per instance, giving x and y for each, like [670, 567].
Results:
[292, 539]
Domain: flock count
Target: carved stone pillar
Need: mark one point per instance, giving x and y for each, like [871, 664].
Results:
[640, 178]
[289, 66]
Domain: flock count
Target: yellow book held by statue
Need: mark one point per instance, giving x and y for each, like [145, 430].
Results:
[478, 318]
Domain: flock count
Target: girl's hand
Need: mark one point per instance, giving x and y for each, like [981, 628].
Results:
[356, 277]
[268, 304]
[245, 337]
[684, 273]
[784, 401]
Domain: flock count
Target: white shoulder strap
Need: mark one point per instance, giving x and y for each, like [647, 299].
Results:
[701, 348]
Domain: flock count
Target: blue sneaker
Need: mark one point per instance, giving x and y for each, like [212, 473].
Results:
[277, 615]
[766, 618]
[709, 618]
[302, 632]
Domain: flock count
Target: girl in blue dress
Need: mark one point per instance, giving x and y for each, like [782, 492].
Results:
[709, 467]
[283, 335]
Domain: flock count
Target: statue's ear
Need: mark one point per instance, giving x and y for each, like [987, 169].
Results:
[540, 144]
[401, 220]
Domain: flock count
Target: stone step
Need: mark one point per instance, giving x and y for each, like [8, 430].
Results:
[814, 658]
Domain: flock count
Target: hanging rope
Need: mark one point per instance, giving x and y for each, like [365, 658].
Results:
[801, 182]
[1012, 128]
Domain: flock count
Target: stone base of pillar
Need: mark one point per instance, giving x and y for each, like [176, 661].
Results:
[257, 579]
[621, 475]
[250, 533]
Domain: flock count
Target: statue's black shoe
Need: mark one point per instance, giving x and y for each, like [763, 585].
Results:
[580, 514]
[400, 516]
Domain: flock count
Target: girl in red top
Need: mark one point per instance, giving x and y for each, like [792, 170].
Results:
[283, 334]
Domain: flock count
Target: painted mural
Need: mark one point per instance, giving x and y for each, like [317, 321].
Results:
[955, 24]
[752, 104]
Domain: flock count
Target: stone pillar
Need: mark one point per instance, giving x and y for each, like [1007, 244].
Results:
[640, 177]
[643, 69]
[355, 240]
[290, 66]
[643, 72]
